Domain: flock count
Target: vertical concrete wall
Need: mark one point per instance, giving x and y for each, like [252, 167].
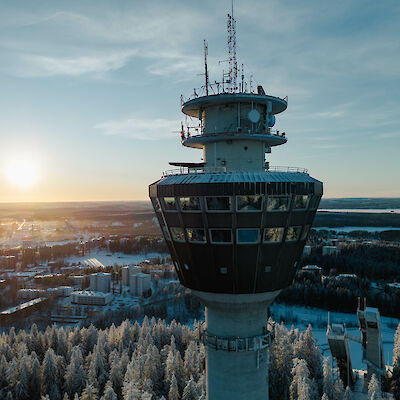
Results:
[233, 375]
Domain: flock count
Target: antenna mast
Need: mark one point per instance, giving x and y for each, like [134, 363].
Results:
[205, 65]
[233, 68]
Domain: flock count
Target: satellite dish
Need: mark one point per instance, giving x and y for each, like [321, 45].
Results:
[254, 116]
[271, 121]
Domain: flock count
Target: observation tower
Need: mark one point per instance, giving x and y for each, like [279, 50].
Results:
[235, 226]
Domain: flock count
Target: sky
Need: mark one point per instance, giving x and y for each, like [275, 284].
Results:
[90, 90]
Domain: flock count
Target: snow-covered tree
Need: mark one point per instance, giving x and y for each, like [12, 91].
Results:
[347, 394]
[328, 381]
[49, 375]
[173, 393]
[109, 393]
[190, 390]
[22, 387]
[396, 364]
[75, 377]
[302, 387]
[374, 389]
[89, 393]
[339, 389]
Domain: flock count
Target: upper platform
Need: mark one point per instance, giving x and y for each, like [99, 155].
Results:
[194, 106]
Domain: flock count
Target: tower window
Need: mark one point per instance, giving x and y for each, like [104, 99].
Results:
[278, 203]
[314, 202]
[189, 203]
[248, 235]
[249, 203]
[304, 234]
[178, 234]
[223, 270]
[300, 202]
[169, 204]
[293, 233]
[196, 235]
[245, 147]
[273, 235]
[267, 268]
[221, 235]
[156, 204]
[218, 203]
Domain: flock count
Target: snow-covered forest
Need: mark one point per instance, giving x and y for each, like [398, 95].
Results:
[150, 361]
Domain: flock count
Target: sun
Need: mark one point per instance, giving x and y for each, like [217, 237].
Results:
[21, 173]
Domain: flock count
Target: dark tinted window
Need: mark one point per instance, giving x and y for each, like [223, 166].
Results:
[248, 235]
[218, 203]
[169, 203]
[249, 203]
[189, 203]
[278, 203]
[221, 235]
[196, 235]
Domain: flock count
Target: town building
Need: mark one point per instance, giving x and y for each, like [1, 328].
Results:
[127, 271]
[89, 297]
[100, 282]
[139, 283]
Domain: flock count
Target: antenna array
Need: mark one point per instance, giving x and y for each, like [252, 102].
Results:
[233, 68]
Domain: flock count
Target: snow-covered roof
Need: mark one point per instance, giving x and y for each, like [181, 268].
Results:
[231, 177]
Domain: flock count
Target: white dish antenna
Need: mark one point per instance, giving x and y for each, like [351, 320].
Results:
[254, 116]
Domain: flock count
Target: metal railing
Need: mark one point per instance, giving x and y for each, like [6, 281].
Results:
[228, 132]
[237, 344]
[219, 170]
[219, 88]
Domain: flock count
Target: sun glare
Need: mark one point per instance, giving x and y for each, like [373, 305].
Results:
[21, 173]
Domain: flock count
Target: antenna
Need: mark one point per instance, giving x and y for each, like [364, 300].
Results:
[232, 59]
[205, 65]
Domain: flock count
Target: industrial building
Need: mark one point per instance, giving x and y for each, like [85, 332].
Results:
[307, 251]
[88, 297]
[139, 283]
[127, 271]
[330, 251]
[100, 282]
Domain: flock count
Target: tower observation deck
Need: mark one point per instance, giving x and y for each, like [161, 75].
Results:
[235, 228]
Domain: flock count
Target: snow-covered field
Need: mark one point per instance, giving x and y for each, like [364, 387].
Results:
[347, 229]
[110, 259]
[301, 317]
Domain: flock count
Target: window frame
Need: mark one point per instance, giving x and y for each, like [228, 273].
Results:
[306, 228]
[250, 211]
[218, 210]
[156, 204]
[199, 210]
[220, 229]
[298, 236]
[165, 231]
[282, 228]
[315, 198]
[172, 234]
[303, 208]
[288, 197]
[196, 241]
[247, 229]
[165, 208]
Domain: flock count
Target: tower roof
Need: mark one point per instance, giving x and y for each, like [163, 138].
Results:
[193, 106]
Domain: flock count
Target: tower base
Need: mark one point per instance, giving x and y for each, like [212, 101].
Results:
[237, 341]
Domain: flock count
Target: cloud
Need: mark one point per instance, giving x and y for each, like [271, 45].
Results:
[149, 129]
[42, 66]
[75, 43]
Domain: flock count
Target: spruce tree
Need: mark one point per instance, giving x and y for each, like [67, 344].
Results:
[173, 393]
